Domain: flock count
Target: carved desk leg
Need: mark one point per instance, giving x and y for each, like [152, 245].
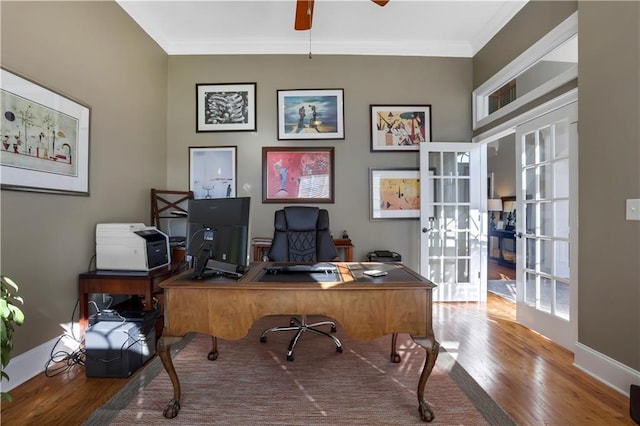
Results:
[213, 354]
[432, 348]
[395, 356]
[164, 346]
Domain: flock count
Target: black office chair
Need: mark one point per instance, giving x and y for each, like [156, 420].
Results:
[302, 236]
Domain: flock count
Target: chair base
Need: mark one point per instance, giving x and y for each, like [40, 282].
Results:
[301, 326]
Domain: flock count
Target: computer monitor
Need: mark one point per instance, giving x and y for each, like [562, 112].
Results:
[218, 235]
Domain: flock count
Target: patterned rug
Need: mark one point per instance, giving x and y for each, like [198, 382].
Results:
[252, 383]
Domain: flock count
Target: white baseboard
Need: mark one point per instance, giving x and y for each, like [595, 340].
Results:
[33, 362]
[609, 371]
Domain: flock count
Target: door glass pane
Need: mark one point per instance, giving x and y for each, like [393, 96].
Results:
[561, 170]
[435, 244]
[437, 187]
[449, 166]
[546, 294]
[463, 217]
[463, 190]
[449, 271]
[529, 149]
[545, 182]
[546, 219]
[546, 256]
[530, 289]
[449, 190]
[561, 222]
[530, 223]
[450, 243]
[463, 244]
[463, 164]
[562, 259]
[434, 163]
[544, 144]
[463, 270]
[530, 181]
[562, 300]
[435, 270]
[530, 243]
[450, 217]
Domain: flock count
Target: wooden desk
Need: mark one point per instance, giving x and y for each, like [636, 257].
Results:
[262, 246]
[111, 282]
[365, 308]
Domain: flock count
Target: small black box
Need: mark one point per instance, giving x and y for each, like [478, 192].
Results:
[384, 256]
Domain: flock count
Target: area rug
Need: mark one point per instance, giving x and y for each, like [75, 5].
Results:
[252, 383]
[503, 288]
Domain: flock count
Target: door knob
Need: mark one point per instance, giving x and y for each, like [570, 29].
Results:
[519, 235]
[425, 230]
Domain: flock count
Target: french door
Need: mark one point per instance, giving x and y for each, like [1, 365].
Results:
[452, 219]
[546, 226]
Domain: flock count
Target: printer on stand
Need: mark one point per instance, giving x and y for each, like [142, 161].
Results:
[130, 247]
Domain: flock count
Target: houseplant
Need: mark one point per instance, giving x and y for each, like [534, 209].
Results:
[12, 315]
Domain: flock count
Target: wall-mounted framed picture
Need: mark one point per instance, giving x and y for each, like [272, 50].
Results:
[212, 171]
[298, 175]
[45, 139]
[311, 114]
[226, 107]
[395, 193]
[399, 127]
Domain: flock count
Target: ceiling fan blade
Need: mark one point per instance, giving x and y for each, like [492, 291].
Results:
[304, 15]
[380, 2]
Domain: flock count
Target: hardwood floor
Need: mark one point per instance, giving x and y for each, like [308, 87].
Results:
[530, 377]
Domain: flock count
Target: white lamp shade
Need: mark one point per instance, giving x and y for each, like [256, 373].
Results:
[494, 205]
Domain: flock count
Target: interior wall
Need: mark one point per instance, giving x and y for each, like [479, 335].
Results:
[501, 161]
[609, 107]
[609, 155]
[92, 52]
[445, 83]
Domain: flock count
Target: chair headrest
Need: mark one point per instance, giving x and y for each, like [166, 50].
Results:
[297, 218]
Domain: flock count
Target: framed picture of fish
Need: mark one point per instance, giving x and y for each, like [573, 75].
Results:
[226, 107]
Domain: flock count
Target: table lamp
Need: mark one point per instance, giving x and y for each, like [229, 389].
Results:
[494, 205]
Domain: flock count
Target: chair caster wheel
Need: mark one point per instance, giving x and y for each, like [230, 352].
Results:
[263, 339]
[333, 329]
[339, 349]
[290, 358]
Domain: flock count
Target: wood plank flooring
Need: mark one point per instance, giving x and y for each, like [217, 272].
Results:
[531, 378]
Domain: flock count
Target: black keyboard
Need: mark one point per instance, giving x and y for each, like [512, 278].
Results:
[301, 267]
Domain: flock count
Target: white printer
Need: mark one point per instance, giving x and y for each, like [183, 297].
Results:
[130, 247]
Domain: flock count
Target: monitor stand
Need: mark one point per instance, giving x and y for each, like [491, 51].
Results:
[206, 267]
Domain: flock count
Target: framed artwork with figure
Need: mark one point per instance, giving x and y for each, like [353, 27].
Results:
[297, 175]
[311, 114]
[399, 127]
[212, 171]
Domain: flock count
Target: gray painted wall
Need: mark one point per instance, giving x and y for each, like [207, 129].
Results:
[95, 53]
[445, 83]
[609, 107]
[609, 160]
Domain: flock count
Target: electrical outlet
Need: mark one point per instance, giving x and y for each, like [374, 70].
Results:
[633, 209]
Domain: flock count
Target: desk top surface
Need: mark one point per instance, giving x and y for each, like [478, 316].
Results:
[350, 275]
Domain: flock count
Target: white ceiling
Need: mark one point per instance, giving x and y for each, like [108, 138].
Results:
[452, 28]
